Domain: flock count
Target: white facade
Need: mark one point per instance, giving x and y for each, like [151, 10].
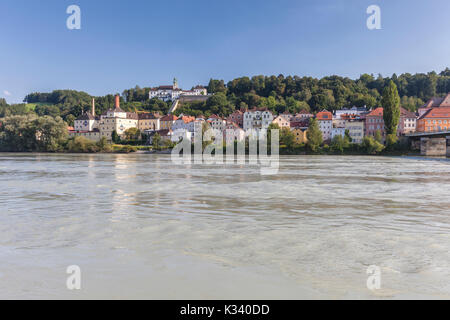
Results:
[282, 121]
[233, 133]
[86, 122]
[338, 131]
[117, 120]
[172, 93]
[217, 124]
[325, 126]
[257, 119]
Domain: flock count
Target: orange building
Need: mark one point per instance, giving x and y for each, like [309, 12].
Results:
[435, 119]
[435, 103]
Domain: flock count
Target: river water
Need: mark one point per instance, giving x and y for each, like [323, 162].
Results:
[139, 226]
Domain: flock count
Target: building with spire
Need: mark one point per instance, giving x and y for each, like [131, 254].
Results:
[117, 120]
[174, 92]
[87, 125]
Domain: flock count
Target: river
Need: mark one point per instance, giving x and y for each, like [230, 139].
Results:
[141, 227]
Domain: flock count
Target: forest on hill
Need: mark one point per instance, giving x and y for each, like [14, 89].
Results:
[277, 93]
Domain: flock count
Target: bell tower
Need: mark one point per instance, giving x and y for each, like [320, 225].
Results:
[175, 83]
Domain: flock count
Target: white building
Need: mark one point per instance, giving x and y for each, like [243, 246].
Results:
[257, 119]
[325, 121]
[233, 133]
[172, 93]
[117, 120]
[337, 131]
[87, 121]
[217, 124]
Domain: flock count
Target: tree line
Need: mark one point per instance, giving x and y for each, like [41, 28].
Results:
[277, 93]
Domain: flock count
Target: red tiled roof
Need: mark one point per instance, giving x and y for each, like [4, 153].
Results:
[169, 117]
[187, 119]
[406, 113]
[438, 112]
[148, 115]
[324, 115]
[300, 124]
[378, 112]
[437, 102]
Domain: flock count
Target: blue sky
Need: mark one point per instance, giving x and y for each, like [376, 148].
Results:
[144, 42]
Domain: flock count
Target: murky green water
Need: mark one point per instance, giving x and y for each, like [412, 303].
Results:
[141, 227]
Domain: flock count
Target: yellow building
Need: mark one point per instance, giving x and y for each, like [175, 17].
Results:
[166, 122]
[148, 121]
[282, 121]
[300, 135]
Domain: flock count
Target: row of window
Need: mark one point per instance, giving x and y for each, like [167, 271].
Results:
[438, 121]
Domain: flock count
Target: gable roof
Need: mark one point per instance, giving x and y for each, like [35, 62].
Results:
[437, 113]
[169, 117]
[437, 102]
[406, 113]
[86, 116]
[324, 115]
[378, 112]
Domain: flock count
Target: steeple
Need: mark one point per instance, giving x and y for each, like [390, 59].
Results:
[175, 83]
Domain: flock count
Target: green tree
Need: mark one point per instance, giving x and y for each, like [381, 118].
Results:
[51, 133]
[103, 145]
[132, 134]
[348, 138]
[156, 141]
[17, 134]
[372, 146]
[338, 144]
[70, 119]
[287, 138]
[314, 135]
[391, 108]
[30, 133]
[115, 137]
[81, 145]
[378, 137]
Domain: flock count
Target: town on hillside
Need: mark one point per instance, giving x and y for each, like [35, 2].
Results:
[356, 123]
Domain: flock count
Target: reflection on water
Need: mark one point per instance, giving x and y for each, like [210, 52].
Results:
[141, 227]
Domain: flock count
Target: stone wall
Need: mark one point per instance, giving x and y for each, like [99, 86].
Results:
[436, 147]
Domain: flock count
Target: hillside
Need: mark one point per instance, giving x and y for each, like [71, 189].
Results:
[277, 93]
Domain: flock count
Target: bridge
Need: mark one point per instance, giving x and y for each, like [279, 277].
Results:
[432, 143]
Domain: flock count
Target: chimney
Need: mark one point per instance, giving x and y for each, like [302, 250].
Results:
[93, 107]
[117, 104]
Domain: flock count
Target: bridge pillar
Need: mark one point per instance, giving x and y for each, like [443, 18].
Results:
[434, 147]
[448, 146]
